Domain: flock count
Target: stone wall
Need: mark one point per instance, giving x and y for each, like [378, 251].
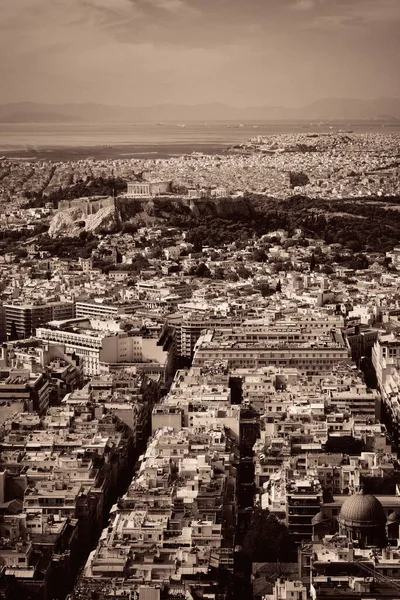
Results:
[88, 206]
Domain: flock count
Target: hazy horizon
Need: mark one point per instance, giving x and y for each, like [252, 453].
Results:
[237, 52]
[194, 103]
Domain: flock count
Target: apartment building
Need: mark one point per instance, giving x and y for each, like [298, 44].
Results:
[303, 501]
[130, 397]
[102, 347]
[309, 358]
[21, 389]
[22, 319]
[335, 566]
[386, 361]
[67, 468]
[172, 513]
[361, 340]
[3, 329]
[386, 356]
[98, 310]
[188, 328]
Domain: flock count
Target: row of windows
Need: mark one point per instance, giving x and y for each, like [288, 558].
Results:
[272, 355]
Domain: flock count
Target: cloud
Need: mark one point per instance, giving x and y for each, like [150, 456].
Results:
[172, 6]
[141, 50]
[382, 11]
[341, 16]
[304, 4]
[338, 14]
[358, 12]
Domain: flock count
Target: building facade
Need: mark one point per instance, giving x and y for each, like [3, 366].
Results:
[22, 320]
[147, 189]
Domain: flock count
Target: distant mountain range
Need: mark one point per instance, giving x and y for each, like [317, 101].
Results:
[326, 109]
[36, 117]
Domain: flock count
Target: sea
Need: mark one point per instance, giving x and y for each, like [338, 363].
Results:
[76, 141]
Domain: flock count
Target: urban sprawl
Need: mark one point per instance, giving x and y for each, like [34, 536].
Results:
[200, 374]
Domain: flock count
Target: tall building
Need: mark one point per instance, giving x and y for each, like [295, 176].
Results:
[303, 501]
[189, 327]
[386, 356]
[386, 362]
[3, 331]
[21, 320]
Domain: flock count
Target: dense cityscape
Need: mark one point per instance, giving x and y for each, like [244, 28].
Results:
[200, 373]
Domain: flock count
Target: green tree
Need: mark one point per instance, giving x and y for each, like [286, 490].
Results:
[298, 179]
[219, 273]
[268, 539]
[156, 252]
[232, 276]
[265, 289]
[259, 255]
[243, 272]
[202, 271]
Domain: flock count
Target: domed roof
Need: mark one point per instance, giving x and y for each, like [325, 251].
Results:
[362, 510]
[320, 517]
[394, 517]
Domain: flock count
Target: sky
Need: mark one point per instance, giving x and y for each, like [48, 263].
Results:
[240, 52]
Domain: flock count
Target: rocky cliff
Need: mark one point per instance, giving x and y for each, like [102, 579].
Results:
[164, 209]
[148, 212]
[72, 222]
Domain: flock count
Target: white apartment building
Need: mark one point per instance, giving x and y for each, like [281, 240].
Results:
[102, 347]
[310, 358]
[102, 311]
[386, 356]
[386, 361]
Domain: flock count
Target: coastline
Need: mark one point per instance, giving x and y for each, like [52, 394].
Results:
[112, 141]
[117, 152]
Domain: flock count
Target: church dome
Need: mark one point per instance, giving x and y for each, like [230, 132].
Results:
[394, 517]
[362, 510]
[320, 517]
